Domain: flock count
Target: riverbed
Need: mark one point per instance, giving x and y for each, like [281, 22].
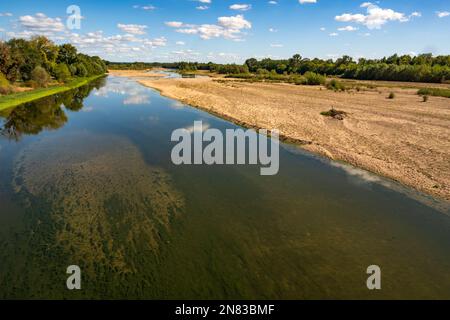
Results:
[86, 179]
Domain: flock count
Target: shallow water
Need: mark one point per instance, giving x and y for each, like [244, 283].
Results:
[86, 178]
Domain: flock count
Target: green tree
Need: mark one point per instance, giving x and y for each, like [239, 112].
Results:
[81, 70]
[40, 76]
[294, 62]
[67, 54]
[24, 58]
[5, 58]
[61, 72]
[47, 49]
[252, 64]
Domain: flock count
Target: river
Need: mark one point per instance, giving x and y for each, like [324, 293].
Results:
[86, 179]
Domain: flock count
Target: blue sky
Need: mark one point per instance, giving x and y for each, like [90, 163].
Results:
[232, 31]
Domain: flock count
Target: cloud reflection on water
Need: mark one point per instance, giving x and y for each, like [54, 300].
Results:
[133, 93]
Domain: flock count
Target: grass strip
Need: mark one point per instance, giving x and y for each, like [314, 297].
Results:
[15, 99]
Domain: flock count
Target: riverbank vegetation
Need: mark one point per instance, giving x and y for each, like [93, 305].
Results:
[309, 78]
[34, 68]
[437, 92]
[421, 68]
[15, 99]
[45, 113]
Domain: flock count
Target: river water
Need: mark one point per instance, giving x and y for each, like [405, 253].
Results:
[86, 179]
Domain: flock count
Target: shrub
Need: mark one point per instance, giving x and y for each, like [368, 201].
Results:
[335, 114]
[72, 70]
[81, 70]
[40, 76]
[4, 85]
[61, 72]
[438, 92]
[314, 79]
[300, 80]
[391, 95]
[262, 71]
[425, 98]
[335, 85]
[3, 81]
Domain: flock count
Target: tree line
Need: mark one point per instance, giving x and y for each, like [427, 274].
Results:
[421, 68]
[36, 62]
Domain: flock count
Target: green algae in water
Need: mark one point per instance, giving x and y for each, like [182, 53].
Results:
[100, 207]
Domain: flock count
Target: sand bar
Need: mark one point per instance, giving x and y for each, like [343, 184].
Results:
[404, 139]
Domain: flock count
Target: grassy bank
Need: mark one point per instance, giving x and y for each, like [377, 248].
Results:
[13, 100]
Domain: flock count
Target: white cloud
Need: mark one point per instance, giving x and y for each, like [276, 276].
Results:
[192, 30]
[348, 28]
[237, 22]
[230, 28]
[187, 54]
[334, 34]
[363, 175]
[5, 14]
[129, 46]
[442, 14]
[272, 2]
[41, 24]
[180, 43]
[174, 24]
[202, 8]
[115, 47]
[132, 28]
[375, 18]
[137, 99]
[147, 7]
[241, 7]
[307, 1]
[276, 45]
[225, 57]
[208, 31]
[156, 42]
[192, 129]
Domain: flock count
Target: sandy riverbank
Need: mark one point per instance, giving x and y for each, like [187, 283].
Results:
[404, 138]
[137, 73]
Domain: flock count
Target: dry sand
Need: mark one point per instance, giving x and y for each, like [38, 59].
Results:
[403, 139]
[152, 73]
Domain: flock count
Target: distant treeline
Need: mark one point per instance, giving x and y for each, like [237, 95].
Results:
[142, 65]
[181, 66]
[37, 61]
[421, 68]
